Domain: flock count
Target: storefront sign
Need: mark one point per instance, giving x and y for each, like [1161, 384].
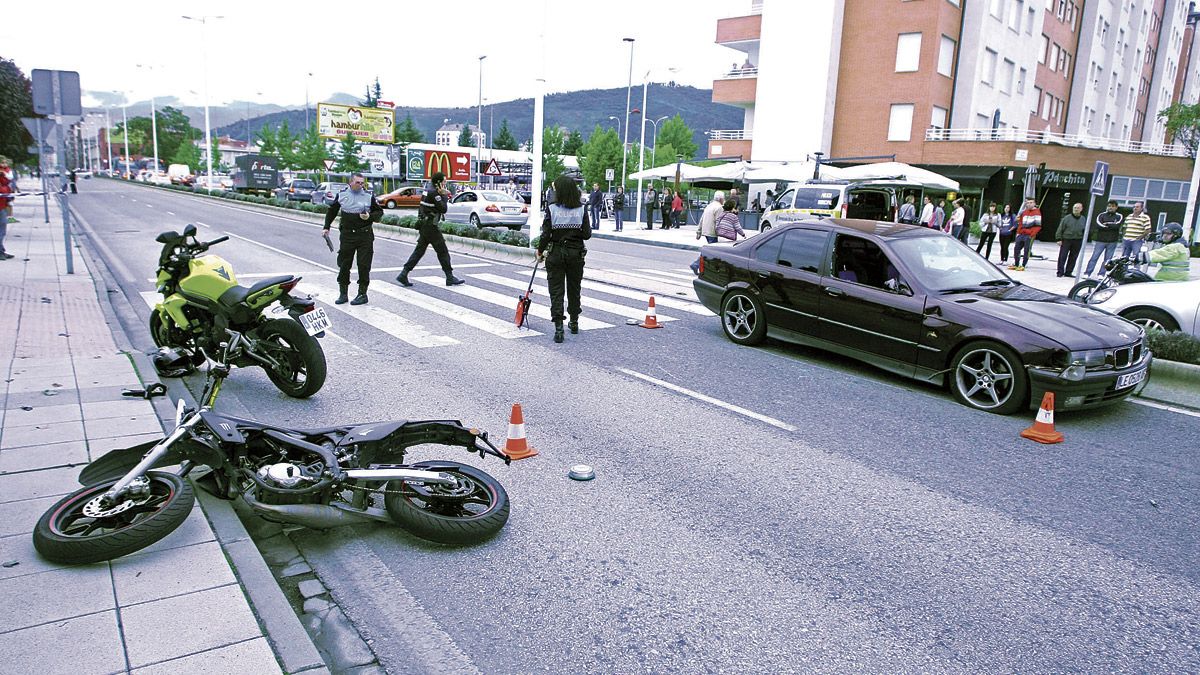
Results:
[1065, 179]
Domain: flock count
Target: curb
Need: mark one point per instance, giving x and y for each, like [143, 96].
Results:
[1174, 383]
[289, 640]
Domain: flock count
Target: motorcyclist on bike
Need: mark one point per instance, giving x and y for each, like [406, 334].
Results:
[1172, 257]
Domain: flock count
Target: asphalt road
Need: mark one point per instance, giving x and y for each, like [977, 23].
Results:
[786, 511]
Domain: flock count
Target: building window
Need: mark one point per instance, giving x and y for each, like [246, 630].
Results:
[1045, 48]
[997, 9]
[1006, 76]
[988, 76]
[938, 119]
[1047, 101]
[1021, 74]
[1029, 17]
[1037, 99]
[946, 57]
[908, 52]
[900, 122]
[1015, 10]
[1066, 64]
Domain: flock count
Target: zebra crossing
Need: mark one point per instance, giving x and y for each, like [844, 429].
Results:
[431, 314]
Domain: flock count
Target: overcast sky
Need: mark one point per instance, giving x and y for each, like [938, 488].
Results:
[270, 47]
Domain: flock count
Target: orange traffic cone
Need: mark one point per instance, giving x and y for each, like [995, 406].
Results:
[651, 317]
[516, 447]
[1042, 430]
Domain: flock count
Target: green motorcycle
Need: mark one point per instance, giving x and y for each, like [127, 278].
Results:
[202, 301]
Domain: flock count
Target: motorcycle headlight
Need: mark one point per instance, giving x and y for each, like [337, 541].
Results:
[1101, 296]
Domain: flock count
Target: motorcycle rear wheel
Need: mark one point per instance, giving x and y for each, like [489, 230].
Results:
[67, 534]
[472, 513]
[302, 359]
[1083, 290]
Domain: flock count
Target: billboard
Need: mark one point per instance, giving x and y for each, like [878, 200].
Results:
[456, 165]
[369, 125]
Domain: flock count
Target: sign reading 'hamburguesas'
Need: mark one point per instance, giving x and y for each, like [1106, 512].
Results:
[372, 125]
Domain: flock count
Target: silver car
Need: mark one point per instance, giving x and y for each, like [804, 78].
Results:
[325, 192]
[487, 208]
[1169, 305]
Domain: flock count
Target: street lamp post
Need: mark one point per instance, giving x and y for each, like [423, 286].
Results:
[654, 124]
[153, 122]
[108, 136]
[642, 143]
[306, 81]
[628, 93]
[479, 125]
[618, 121]
[208, 140]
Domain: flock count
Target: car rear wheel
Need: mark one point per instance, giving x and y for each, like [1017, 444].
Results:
[1152, 319]
[764, 226]
[989, 376]
[391, 204]
[742, 318]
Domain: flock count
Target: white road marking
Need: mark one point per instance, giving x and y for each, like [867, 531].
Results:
[708, 399]
[484, 322]
[280, 251]
[540, 311]
[684, 276]
[658, 286]
[594, 303]
[644, 296]
[170, 213]
[388, 322]
[149, 206]
[1162, 406]
[432, 267]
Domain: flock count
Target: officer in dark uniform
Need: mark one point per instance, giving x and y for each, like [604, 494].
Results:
[561, 245]
[359, 209]
[433, 207]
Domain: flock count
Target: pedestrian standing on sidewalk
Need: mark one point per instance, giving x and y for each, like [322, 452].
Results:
[729, 225]
[619, 207]
[650, 203]
[1029, 224]
[989, 224]
[1108, 231]
[1008, 230]
[596, 204]
[357, 236]
[665, 207]
[708, 220]
[6, 189]
[908, 211]
[677, 217]
[564, 230]
[938, 217]
[431, 210]
[927, 212]
[1137, 228]
[737, 199]
[1070, 240]
[958, 217]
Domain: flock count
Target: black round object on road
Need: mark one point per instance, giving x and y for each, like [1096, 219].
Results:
[302, 371]
[473, 511]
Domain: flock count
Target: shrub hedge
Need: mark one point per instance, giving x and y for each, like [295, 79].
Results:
[1174, 346]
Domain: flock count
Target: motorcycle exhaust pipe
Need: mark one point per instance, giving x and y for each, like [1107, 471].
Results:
[315, 516]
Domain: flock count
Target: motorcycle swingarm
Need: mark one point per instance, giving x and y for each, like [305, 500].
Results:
[117, 463]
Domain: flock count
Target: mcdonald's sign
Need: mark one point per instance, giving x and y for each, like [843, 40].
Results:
[456, 165]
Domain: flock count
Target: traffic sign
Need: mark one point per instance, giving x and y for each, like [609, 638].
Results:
[610, 174]
[32, 124]
[1099, 178]
[493, 169]
[329, 164]
[56, 92]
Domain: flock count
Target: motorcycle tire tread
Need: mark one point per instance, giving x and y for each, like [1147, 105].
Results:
[78, 551]
[444, 530]
[310, 352]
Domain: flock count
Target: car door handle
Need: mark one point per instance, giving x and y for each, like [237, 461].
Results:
[834, 292]
[768, 275]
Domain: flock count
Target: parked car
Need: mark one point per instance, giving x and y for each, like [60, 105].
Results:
[484, 208]
[915, 302]
[325, 192]
[1156, 305]
[405, 197]
[218, 182]
[159, 178]
[296, 190]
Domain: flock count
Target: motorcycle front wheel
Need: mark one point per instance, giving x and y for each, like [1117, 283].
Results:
[301, 371]
[78, 529]
[473, 511]
[1083, 290]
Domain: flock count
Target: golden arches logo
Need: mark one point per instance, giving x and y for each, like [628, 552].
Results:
[438, 161]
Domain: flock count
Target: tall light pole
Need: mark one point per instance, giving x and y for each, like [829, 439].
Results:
[307, 78]
[618, 120]
[125, 124]
[642, 143]
[654, 124]
[628, 93]
[479, 125]
[108, 136]
[208, 140]
[153, 121]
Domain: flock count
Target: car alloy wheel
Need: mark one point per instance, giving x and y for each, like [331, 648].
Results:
[742, 318]
[475, 220]
[1152, 319]
[989, 377]
[390, 204]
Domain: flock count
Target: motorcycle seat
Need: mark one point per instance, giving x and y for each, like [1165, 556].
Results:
[238, 294]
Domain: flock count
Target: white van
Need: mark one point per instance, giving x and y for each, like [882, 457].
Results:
[869, 200]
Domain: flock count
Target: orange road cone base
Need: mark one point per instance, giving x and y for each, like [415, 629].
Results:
[516, 447]
[1043, 430]
[524, 453]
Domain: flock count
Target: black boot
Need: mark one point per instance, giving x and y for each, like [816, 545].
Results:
[342, 299]
[558, 332]
[361, 298]
[573, 324]
[403, 278]
[452, 280]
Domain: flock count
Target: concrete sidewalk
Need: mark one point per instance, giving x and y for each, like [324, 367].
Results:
[174, 607]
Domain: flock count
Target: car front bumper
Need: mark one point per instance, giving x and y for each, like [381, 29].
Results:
[1097, 388]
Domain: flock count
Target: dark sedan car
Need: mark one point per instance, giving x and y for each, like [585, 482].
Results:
[919, 303]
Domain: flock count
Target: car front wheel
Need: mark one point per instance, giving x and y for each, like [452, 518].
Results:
[474, 220]
[743, 319]
[390, 204]
[989, 376]
[1152, 319]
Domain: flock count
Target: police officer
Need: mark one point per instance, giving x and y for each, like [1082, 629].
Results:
[433, 207]
[359, 209]
[561, 245]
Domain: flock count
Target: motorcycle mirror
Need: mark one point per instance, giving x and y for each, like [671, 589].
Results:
[189, 231]
[179, 413]
[166, 237]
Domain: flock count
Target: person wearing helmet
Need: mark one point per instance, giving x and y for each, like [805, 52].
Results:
[1172, 257]
[431, 210]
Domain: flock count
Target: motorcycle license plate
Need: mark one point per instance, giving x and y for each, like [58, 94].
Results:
[1131, 379]
[315, 321]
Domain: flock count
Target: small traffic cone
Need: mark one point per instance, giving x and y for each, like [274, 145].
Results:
[651, 317]
[1042, 430]
[516, 447]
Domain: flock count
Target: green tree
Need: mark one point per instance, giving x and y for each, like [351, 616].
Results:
[408, 131]
[215, 151]
[311, 152]
[285, 145]
[187, 154]
[174, 130]
[573, 143]
[464, 137]
[139, 135]
[663, 154]
[374, 93]
[552, 145]
[347, 157]
[1183, 125]
[504, 139]
[679, 136]
[16, 101]
[601, 151]
[268, 140]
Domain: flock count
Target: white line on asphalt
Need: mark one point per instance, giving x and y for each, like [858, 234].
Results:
[388, 322]
[708, 399]
[540, 311]
[687, 278]
[661, 287]
[170, 213]
[479, 320]
[1161, 406]
[431, 267]
[280, 251]
[149, 206]
[594, 303]
[644, 296]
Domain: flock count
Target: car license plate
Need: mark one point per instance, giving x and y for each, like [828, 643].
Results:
[511, 209]
[315, 321]
[1130, 379]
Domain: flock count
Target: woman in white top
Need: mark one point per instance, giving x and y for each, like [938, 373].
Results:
[989, 225]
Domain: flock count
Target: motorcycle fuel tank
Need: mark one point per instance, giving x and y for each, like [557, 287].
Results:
[208, 277]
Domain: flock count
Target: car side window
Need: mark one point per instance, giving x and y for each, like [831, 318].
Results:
[802, 249]
[768, 251]
[464, 197]
[861, 261]
[784, 201]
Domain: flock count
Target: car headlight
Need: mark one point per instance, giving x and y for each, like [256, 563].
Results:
[1101, 296]
[1089, 358]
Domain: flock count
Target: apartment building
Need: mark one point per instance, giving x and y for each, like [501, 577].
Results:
[979, 90]
[448, 134]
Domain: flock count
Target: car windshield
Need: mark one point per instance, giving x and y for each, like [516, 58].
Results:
[497, 196]
[303, 184]
[942, 263]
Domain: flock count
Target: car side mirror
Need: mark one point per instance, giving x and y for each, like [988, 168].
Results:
[898, 287]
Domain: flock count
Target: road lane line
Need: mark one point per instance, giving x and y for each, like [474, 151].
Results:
[170, 213]
[508, 301]
[478, 320]
[708, 399]
[683, 276]
[431, 267]
[388, 322]
[1162, 406]
[663, 288]
[594, 303]
[665, 301]
[279, 251]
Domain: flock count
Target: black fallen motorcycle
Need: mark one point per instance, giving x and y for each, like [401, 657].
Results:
[320, 478]
[1117, 271]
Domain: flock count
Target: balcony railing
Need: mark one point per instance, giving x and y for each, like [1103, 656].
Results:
[731, 135]
[1049, 137]
[739, 72]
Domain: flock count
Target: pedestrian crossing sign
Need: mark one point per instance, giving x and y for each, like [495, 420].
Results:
[1099, 179]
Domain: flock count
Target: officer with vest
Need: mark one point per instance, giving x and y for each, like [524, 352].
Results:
[431, 210]
[1172, 256]
[358, 209]
[564, 230]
